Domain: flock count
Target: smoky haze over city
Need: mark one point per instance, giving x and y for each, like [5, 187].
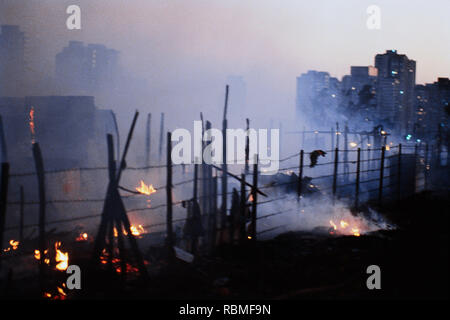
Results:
[359, 93]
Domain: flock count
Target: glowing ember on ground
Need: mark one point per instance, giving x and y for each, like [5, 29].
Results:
[146, 189]
[82, 237]
[344, 228]
[62, 258]
[137, 231]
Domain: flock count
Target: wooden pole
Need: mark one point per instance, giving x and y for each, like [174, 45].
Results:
[148, 140]
[161, 136]
[426, 164]
[224, 161]
[399, 172]
[41, 188]
[242, 219]
[22, 200]
[195, 181]
[335, 171]
[170, 239]
[300, 174]
[214, 213]
[4, 149]
[3, 200]
[247, 147]
[332, 138]
[116, 127]
[358, 169]
[380, 187]
[346, 167]
[255, 199]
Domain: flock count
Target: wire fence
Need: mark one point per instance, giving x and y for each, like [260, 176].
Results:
[367, 179]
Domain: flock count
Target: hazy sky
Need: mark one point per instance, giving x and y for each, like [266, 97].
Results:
[183, 47]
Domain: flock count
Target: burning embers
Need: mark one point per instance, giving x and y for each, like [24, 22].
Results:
[61, 258]
[13, 245]
[344, 228]
[146, 189]
[31, 124]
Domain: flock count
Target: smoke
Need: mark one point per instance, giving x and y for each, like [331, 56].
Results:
[318, 215]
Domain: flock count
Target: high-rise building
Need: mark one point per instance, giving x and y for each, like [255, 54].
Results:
[431, 109]
[12, 61]
[84, 69]
[358, 92]
[317, 96]
[395, 90]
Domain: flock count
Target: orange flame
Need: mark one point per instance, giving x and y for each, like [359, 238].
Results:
[62, 258]
[31, 123]
[146, 189]
[82, 237]
[344, 226]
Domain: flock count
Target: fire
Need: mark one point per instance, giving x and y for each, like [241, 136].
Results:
[344, 228]
[333, 225]
[82, 237]
[137, 231]
[62, 258]
[146, 189]
[31, 123]
[13, 245]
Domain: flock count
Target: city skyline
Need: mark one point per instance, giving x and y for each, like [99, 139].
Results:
[190, 48]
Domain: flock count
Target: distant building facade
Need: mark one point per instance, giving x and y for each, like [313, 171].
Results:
[317, 96]
[395, 90]
[84, 70]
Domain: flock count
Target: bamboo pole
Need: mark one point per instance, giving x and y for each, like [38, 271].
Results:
[4, 149]
[170, 239]
[3, 199]
[22, 200]
[380, 187]
[358, 169]
[242, 233]
[335, 171]
[224, 161]
[300, 175]
[255, 199]
[399, 172]
[247, 147]
[41, 188]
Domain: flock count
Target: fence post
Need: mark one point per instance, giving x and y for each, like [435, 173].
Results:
[169, 197]
[358, 169]
[247, 147]
[41, 187]
[336, 162]
[255, 199]
[3, 148]
[224, 164]
[380, 187]
[399, 170]
[346, 167]
[242, 218]
[214, 213]
[300, 175]
[3, 199]
[22, 200]
[425, 173]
